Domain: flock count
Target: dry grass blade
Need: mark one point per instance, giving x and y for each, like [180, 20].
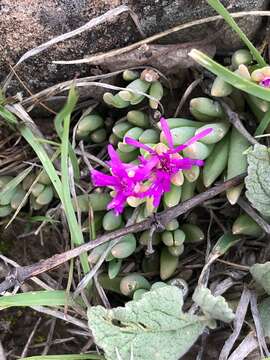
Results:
[62, 316]
[78, 83]
[100, 57]
[258, 324]
[246, 347]
[238, 323]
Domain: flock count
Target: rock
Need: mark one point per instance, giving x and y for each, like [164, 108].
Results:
[26, 24]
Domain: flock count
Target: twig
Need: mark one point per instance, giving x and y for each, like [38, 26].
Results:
[85, 280]
[254, 215]
[36, 280]
[26, 272]
[49, 338]
[25, 350]
[86, 156]
[186, 94]
[233, 117]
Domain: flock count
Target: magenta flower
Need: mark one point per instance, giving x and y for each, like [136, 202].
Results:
[265, 82]
[125, 180]
[165, 162]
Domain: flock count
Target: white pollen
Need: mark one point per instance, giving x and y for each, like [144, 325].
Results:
[131, 173]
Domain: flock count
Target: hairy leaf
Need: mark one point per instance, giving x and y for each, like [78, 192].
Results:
[153, 327]
[257, 180]
[264, 310]
[66, 357]
[215, 307]
[261, 273]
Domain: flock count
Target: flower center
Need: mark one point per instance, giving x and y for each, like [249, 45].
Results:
[265, 82]
[165, 163]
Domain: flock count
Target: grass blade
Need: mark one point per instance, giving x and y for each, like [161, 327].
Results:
[8, 116]
[221, 10]
[229, 76]
[75, 229]
[263, 124]
[58, 123]
[37, 298]
[44, 159]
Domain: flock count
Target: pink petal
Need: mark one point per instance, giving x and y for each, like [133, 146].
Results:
[161, 184]
[167, 133]
[137, 144]
[117, 203]
[117, 167]
[113, 155]
[191, 141]
[187, 163]
[100, 179]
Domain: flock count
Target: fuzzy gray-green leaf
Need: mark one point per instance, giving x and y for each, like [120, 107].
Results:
[154, 327]
[257, 180]
[261, 273]
[215, 307]
[264, 310]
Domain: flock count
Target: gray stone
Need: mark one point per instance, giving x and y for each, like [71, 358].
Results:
[26, 24]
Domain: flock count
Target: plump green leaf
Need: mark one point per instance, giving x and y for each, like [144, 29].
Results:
[264, 310]
[11, 185]
[153, 327]
[224, 243]
[215, 307]
[261, 273]
[257, 180]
